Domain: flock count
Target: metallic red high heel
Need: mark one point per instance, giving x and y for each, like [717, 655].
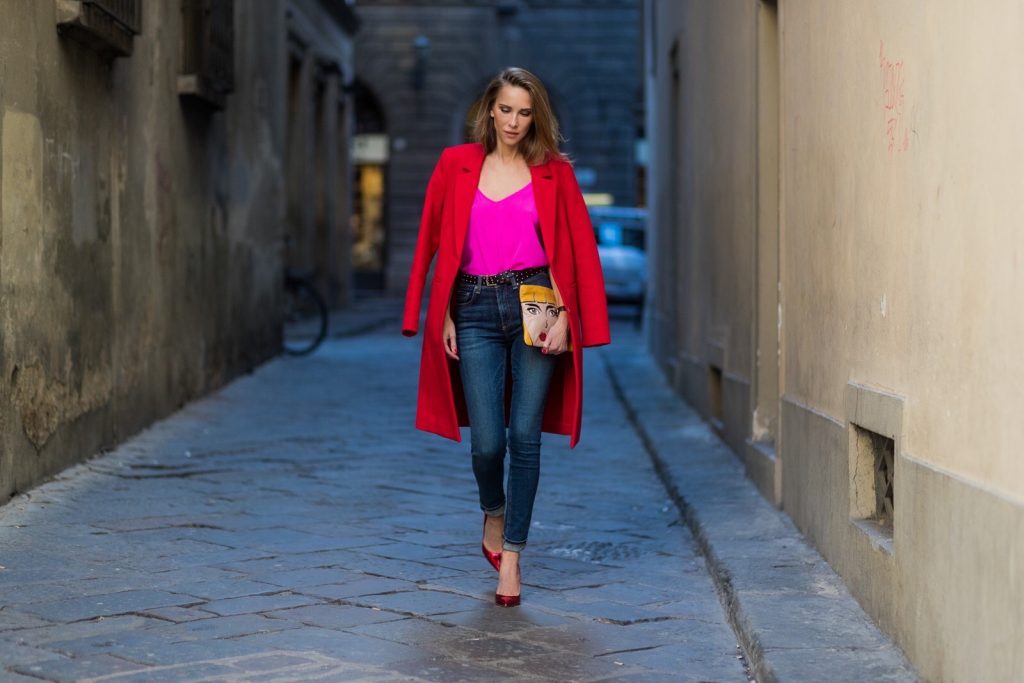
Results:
[508, 600]
[493, 558]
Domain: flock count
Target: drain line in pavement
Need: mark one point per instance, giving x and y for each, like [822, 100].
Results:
[751, 650]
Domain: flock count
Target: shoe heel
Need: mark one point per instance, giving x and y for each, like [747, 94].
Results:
[493, 558]
[506, 600]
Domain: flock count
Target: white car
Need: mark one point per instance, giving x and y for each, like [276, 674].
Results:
[620, 233]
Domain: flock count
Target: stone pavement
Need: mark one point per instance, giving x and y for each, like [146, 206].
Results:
[293, 526]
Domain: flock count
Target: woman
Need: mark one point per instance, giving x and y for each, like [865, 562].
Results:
[502, 212]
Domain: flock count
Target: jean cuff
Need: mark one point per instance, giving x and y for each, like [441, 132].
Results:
[496, 512]
[514, 547]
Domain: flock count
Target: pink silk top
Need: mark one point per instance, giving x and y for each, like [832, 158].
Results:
[503, 235]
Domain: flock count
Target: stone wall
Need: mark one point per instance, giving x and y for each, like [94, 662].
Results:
[140, 261]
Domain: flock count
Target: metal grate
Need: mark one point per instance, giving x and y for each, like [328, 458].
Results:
[884, 471]
[127, 13]
[873, 470]
[207, 50]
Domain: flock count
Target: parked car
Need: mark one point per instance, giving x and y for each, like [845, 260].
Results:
[620, 233]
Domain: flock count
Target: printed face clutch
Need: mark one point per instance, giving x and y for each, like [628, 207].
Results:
[540, 311]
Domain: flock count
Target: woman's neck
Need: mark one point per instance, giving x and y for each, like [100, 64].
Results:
[507, 154]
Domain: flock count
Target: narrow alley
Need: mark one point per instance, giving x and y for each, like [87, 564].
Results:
[297, 512]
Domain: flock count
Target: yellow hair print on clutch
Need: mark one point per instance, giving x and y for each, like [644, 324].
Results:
[540, 311]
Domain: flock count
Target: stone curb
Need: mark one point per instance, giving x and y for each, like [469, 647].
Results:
[791, 612]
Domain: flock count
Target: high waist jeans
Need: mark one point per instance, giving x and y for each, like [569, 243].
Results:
[489, 338]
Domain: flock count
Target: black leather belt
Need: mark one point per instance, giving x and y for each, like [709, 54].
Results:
[503, 278]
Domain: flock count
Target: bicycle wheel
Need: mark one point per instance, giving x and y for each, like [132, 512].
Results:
[305, 319]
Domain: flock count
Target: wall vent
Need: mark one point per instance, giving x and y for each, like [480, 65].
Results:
[873, 474]
[715, 411]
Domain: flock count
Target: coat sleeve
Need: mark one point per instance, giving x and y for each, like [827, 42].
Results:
[426, 247]
[593, 302]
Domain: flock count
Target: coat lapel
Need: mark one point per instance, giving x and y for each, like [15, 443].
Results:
[465, 192]
[544, 194]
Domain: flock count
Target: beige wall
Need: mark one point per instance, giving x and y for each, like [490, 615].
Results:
[899, 257]
[140, 259]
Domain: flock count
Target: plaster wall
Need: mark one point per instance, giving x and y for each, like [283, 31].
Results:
[899, 287]
[139, 234]
[701, 190]
[901, 271]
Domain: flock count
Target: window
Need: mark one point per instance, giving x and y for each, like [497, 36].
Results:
[207, 51]
[107, 26]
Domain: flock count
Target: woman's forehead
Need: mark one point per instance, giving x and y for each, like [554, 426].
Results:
[514, 96]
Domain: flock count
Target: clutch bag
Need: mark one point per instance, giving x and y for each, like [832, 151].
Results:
[540, 311]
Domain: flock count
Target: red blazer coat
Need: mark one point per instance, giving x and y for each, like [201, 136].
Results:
[571, 249]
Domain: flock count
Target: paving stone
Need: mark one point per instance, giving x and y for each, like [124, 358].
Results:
[422, 602]
[414, 631]
[80, 629]
[66, 669]
[333, 616]
[12, 652]
[224, 627]
[502, 620]
[372, 585]
[308, 577]
[257, 603]
[561, 667]
[13, 620]
[348, 647]
[222, 589]
[12, 676]
[177, 614]
[452, 670]
[74, 609]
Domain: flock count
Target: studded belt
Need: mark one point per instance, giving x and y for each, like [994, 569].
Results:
[506, 277]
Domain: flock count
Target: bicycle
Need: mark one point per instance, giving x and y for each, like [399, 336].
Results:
[305, 314]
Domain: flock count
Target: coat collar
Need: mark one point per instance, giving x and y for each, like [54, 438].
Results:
[468, 180]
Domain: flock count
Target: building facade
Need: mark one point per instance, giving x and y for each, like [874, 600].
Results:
[318, 170]
[143, 206]
[422, 64]
[836, 277]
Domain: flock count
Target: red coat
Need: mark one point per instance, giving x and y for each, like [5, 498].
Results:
[572, 254]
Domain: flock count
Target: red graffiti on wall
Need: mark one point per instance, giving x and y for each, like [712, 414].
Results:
[896, 133]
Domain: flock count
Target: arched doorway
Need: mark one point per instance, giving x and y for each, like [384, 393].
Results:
[370, 158]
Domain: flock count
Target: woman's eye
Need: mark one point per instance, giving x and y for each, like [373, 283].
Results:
[532, 309]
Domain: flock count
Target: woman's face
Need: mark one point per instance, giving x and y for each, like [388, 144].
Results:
[512, 114]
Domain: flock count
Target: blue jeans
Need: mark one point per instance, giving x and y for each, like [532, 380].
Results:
[489, 337]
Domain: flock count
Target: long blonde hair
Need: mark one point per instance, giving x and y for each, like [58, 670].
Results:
[541, 142]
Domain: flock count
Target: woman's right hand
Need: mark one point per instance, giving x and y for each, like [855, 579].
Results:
[451, 349]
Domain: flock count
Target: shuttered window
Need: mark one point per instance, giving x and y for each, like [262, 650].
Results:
[107, 26]
[207, 51]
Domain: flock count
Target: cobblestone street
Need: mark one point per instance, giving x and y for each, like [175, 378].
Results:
[294, 526]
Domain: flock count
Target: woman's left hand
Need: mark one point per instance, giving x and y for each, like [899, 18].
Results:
[558, 337]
